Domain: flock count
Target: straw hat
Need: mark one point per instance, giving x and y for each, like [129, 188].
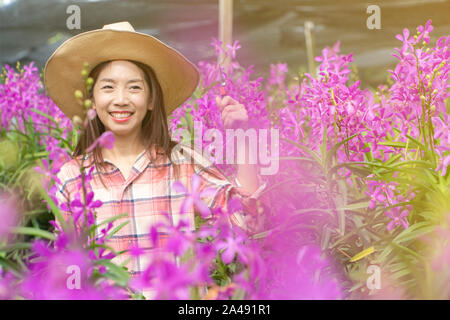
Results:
[177, 76]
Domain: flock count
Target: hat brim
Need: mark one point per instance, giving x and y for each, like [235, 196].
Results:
[177, 76]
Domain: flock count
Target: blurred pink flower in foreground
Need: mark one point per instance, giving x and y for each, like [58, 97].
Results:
[301, 276]
[63, 273]
[9, 217]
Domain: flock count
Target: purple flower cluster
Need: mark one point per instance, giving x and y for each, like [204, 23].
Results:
[412, 108]
[22, 101]
[203, 107]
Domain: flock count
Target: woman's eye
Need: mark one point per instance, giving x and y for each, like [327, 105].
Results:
[107, 87]
[135, 87]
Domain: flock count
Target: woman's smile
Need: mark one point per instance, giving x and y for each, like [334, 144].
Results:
[121, 116]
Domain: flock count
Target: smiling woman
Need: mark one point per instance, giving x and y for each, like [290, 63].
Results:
[129, 102]
[136, 83]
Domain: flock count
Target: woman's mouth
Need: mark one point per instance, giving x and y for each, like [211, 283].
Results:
[121, 116]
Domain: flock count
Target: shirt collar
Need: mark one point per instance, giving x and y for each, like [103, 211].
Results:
[141, 162]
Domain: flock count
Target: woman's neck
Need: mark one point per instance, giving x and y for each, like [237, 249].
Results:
[125, 148]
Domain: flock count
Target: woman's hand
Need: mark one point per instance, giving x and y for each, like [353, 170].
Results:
[234, 114]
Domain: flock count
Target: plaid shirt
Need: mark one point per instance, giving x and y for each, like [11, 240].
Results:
[147, 194]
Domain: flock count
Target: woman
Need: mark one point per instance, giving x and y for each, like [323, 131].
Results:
[138, 80]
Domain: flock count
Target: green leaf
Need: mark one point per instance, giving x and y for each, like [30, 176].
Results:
[324, 147]
[36, 155]
[408, 250]
[94, 245]
[260, 235]
[8, 265]
[362, 254]
[53, 207]
[116, 229]
[384, 254]
[187, 256]
[34, 232]
[138, 296]
[194, 293]
[122, 215]
[116, 273]
[354, 167]
[356, 286]
[420, 163]
[356, 206]
[325, 239]
[305, 149]
[417, 142]
[368, 155]
[393, 144]
[44, 115]
[15, 246]
[239, 294]
[401, 273]
[413, 232]
[341, 200]
[335, 148]
[393, 159]
[297, 158]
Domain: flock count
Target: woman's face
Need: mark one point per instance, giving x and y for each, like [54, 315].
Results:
[121, 97]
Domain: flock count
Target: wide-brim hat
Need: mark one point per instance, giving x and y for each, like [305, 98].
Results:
[177, 76]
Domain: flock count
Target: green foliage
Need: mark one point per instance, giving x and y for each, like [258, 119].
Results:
[358, 236]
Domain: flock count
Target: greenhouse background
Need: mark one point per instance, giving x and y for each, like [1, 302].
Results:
[269, 31]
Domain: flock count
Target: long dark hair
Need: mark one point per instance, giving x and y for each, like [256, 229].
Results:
[155, 129]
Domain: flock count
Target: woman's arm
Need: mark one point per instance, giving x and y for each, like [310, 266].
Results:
[234, 116]
[247, 174]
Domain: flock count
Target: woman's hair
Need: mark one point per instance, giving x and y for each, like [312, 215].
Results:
[155, 129]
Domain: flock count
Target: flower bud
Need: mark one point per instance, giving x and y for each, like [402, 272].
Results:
[84, 73]
[77, 120]
[78, 94]
[87, 103]
[86, 65]
[91, 114]
[433, 109]
[89, 81]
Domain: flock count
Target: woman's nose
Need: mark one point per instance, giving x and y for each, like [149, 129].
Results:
[121, 97]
